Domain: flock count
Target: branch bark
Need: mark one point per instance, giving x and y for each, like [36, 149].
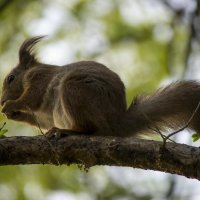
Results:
[178, 159]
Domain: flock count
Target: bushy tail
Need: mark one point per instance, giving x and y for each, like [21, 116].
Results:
[167, 108]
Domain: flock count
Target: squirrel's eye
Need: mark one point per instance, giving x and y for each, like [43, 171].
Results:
[10, 78]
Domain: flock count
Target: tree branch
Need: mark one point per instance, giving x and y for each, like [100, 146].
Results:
[4, 4]
[145, 154]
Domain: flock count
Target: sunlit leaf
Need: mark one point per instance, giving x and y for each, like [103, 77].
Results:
[2, 132]
[195, 137]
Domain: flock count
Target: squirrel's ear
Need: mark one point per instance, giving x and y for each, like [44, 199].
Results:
[26, 54]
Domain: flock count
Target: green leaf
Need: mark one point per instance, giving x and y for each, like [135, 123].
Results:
[2, 132]
[195, 137]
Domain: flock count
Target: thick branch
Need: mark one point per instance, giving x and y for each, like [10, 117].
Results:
[175, 158]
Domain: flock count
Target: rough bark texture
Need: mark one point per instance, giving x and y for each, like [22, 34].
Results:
[137, 153]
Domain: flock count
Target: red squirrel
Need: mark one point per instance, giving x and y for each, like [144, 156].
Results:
[88, 98]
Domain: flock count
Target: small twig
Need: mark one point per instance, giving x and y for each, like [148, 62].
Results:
[50, 144]
[157, 130]
[163, 136]
[184, 127]
[3, 136]
[3, 126]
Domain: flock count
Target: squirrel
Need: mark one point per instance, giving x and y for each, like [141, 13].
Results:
[88, 98]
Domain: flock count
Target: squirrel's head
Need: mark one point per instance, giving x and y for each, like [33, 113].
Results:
[13, 83]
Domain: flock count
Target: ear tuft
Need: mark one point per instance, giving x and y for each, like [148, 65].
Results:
[26, 54]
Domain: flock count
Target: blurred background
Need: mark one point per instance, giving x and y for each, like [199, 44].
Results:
[149, 43]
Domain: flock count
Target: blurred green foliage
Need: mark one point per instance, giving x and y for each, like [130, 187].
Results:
[145, 53]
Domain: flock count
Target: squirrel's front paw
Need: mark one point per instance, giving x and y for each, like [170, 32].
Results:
[9, 110]
[14, 115]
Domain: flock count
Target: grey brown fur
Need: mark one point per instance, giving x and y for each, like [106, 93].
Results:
[88, 98]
